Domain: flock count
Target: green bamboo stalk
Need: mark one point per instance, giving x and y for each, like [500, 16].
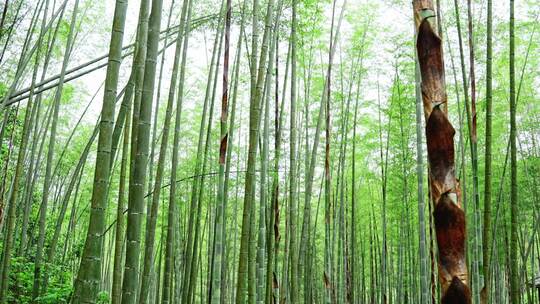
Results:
[26, 56]
[292, 164]
[230, 143]
[244, 263]
[205, 158]
[486, 241]
[343, 259]
[139, 66]
[305, 265]
[71, 222]
[354, 201]
[151, 223]
[138, 179]
[89, 275]
[246, 260]
[272, 285]
[265, 208]
[22, 61]
[128, 106]
[285, 265]
[154, 138]
[235, 212]
[171, 214]
[153, 143]
[39, 133]
[65, 200]
[11, 208]
[384, 179]
[477, 262]
[197, 184]
[36, 292]
[424, 289]
[471, 126]
[31, 178]
[75, 72]
[515, 288]
[328, 252]
[5, 118]
[328, 256]
[27, 126]
[10, 28]
[116, 294]
[263, 198]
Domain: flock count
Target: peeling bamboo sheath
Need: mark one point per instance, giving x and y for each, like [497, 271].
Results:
[445, 191]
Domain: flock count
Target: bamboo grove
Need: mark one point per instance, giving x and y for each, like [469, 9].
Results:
[278, 151]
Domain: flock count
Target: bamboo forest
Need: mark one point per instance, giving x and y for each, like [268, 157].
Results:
[270, 151]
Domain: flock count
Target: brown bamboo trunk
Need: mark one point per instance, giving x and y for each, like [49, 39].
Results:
[445, 191]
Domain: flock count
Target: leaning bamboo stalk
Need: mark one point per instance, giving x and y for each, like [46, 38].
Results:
[90, 66]
[25, 59]
[445, 192]
[50, 153]
[30, 109]
[10, 28]
[89, 276]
